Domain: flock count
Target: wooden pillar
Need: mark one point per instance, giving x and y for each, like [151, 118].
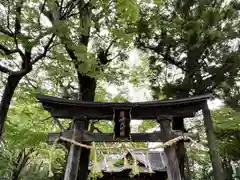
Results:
[71, 171]
[212, 144]
[178, 124]
[84, 160]
[172, 163]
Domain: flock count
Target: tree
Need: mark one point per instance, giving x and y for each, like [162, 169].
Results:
[24, 153]
[200, 43]
[197, 40]
[24, 42]
[108, 12]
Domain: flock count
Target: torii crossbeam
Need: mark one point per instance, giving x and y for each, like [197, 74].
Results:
[163, 111]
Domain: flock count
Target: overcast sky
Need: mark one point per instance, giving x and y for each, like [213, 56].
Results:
[136, 94]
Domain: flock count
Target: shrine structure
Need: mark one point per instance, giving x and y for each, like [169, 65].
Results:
[163, 111]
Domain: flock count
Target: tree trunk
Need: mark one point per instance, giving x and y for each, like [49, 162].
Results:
[22, 160]
[87, 84]
[178, 123]
[87, 89]
[10, 87]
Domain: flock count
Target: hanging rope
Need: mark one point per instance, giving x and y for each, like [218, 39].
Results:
[96, 170]
[164, 145]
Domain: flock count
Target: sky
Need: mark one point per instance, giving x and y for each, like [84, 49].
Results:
[138, 94]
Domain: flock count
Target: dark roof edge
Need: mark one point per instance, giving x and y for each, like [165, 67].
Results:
[57, 100]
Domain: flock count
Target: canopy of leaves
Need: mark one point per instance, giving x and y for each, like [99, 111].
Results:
[192, 47]
[197, 41]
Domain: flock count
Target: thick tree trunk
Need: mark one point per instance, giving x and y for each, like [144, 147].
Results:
[87, 84]
[10, 87]
[178, 123]
[87, 87]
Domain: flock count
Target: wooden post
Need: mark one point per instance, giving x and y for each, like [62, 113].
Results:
[84, 160]
[71, 171]
[172, 163]
[178, 124]
[212, 144]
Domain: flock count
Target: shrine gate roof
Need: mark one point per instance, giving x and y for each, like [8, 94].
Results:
[64, 108]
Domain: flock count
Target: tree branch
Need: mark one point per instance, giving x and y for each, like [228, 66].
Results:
[18, 17]
[69, 7]
[8, 18]
[98, 130]
[46, 48]
[114, 57]
[6, 32]
[41, 11]
[61, 6]
[166, 57]
[29, 82]
[80, 9]
[5, 70]
[9, 52]
[110, 45]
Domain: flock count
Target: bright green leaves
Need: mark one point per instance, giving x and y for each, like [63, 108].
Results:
[123, 38]
[81, 52]
[226, 118]
[211, 17]
[105, 126]
[26, 131]
[158, 2]
[147, 125]
[87, 62]
[127, 15]
[227, 128]
[24, 126]
[51, 5]
[140, 73]
[61, 28]
[128, 10]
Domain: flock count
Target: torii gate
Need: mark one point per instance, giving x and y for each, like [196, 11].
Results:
[122, 113]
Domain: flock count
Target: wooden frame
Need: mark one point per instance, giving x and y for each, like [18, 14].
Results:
[63, 108]
[86, 136]
[160, 110]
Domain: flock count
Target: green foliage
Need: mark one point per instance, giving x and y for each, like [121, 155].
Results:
[186, 43]
[147, 125]
[196, 41]
[227, 127]
[25, 133]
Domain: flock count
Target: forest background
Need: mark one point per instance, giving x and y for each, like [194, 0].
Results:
[106, 50]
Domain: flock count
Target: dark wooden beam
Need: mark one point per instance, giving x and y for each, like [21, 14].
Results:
[173, 170]
[63, 108]
[101, 114]
[86, 136]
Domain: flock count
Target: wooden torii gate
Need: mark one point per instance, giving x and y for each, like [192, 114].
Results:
[122, 113]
